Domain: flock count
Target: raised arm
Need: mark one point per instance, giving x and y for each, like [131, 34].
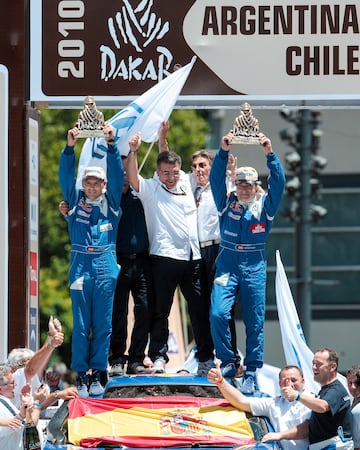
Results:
[232, 395]
[163, 143]
[67, 164]
[132, 166]
[265, 144]
[38, 362]
[317, 405]
[27, 404]
[218, 172]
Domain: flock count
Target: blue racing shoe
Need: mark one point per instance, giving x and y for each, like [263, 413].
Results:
[249, 383]
[229, 370]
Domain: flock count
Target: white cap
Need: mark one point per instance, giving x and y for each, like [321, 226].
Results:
[94, 171]
[246, 175]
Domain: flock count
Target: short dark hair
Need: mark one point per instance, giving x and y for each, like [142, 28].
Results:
[291, 367]
[333, 355]
[168, 158]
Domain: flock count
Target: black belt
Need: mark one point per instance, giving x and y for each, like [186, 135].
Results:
[209, 243]
[132, 255]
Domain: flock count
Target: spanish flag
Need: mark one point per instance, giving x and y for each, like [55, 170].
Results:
[156, 422]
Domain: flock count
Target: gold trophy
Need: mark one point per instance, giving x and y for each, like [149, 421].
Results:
[90, 121]
[246, 127]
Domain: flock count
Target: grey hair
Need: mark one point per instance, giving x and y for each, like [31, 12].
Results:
[5, 369]
[205, 153]
[17, 355]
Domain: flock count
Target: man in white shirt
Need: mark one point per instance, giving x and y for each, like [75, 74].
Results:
[12, 418]
[207, 225]
[282, 413]
[171, 218]
[329, 426]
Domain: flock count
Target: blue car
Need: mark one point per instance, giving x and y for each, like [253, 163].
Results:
[156, 411]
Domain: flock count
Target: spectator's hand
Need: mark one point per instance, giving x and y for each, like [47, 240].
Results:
[215, 375]
[135, 141]
[13, 423]
[25, 396]
[68, 393]
[265, 143]
[57, 339]
[227, 141]
[289, 393]
[271, 437]
[54, 326]
[26, 389]
[41, 393]
[64, 207]
[71, 136]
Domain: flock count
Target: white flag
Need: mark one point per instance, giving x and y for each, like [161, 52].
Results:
[297, 353]
[144, 114]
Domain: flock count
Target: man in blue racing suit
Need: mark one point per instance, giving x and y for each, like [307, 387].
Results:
[246, 217]
[93, 218]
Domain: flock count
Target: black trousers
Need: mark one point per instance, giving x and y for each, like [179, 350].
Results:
[168, 273]
[135, 277]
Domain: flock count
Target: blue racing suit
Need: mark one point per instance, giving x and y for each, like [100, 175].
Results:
[93, 265]
[241, 262]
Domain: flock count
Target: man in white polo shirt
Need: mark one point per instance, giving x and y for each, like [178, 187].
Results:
[207, 221]
[171, 218]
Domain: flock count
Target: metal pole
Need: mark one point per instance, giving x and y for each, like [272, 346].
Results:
[303, 227]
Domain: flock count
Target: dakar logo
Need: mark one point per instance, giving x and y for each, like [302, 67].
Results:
[135, 27]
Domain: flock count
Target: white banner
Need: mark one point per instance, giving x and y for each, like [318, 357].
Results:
[296, 351]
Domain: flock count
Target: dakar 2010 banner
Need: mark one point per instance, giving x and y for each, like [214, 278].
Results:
[120, 48]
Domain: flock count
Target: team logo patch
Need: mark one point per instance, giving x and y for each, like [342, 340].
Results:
[85, 205]
[106, 227]
[235, 206]
[257, 228]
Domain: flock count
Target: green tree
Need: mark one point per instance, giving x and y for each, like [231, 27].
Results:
[188, 132]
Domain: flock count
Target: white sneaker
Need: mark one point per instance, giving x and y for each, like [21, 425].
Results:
[96, 389]
[159, 365]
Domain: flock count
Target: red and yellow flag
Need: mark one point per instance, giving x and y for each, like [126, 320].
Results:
[156, 421]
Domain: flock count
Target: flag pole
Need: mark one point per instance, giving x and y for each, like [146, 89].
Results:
[146, 156]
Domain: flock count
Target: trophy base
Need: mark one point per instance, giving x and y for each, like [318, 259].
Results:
[249, 140]
[91, 134]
